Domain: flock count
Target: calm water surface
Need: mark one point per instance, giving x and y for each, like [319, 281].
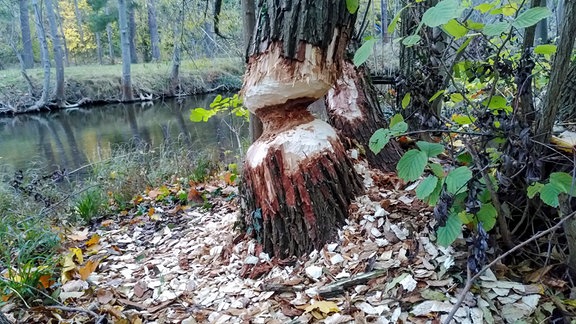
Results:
[72, 138]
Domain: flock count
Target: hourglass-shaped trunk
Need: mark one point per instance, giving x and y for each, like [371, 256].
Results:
[297, 180]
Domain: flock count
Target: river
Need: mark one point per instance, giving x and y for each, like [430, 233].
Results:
[69, 139]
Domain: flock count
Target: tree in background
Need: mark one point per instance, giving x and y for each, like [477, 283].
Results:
[27, 53]
[153, 28]
[127, 94]
[45, 57]
[58, 55]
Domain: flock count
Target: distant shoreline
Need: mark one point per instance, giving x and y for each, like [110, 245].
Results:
[100, 84]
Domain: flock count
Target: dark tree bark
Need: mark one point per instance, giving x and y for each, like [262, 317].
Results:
[99, 47]
[558, 74]
[422, 73]
[249, 22]
[127, 94]
[567, 109]
[27, 52]
[153, 28]
[297, 178]
[132, 31]
[354, 111]
[58, 56]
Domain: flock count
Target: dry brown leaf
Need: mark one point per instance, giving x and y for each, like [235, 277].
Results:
[104, 296]
[195, 196]
[79, 235]
[87, 269]
[46, 281]
[107, 222]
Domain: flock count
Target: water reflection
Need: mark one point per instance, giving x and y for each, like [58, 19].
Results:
[73, 138]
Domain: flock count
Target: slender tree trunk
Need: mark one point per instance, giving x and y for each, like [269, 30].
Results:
[153, 27]
[297, 178]
[78, 14]
[45, 57]
[109, 36]
[126, 60]
[58, 57]
[132, 32]
[384, 20]
[99, 47]
[542, 28]
[60, 27]
[27, 52]
[558, 74]
[567, 109]
[175, 71]
[353, 110]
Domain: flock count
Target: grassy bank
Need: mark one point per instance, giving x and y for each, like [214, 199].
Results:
[36, 212]
[101, 83]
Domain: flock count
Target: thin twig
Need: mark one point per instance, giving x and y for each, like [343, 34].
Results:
[97, 317]
[470, 281]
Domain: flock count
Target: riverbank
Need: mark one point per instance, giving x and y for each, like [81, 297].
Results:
[100, 84]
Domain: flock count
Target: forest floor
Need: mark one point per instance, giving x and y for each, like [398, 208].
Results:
[89, 84]
[162, 262]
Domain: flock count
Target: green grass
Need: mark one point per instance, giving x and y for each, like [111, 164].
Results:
[102, 82]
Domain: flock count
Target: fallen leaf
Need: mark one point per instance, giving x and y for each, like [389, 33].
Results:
[104, 296]
[79, 235]
[323, 306]
[93, 240]
[195, 196]
[87, 269]
[46, 281]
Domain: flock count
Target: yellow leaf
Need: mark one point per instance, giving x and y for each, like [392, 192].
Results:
[78, 253]
[68, 263]
[570, 302]
[87, 269]
[323, 306]
[151, 211]
[93, 240]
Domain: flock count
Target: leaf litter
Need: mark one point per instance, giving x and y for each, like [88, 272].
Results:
[166, 263]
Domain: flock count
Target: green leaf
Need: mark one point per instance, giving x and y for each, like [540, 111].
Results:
[426, 187]
[545, 49]
[457, 179]
[456, 97]
[487, 215]
[432, 200]
[431, 149]
[201, 114]
[531, 17]
[464, 158]
[406, 100]
[398, 128]
[411, 40]
[549, 194]
[352, 6]
[411, 165]
[442, 13]
[484, 7]
[449, 233]
[496, 102]
[496, 29]
[396, 119]
[464, 45]
[364, 52]
[535, 188]
[379, 139]
[463, 119]
[473, 25]
[436, 169]
[455, 29]
[394, 22]
[563, 181]
[436, 95]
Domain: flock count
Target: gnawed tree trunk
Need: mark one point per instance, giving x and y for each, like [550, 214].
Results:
[45, 57]
[354, 111]
[297, 178]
